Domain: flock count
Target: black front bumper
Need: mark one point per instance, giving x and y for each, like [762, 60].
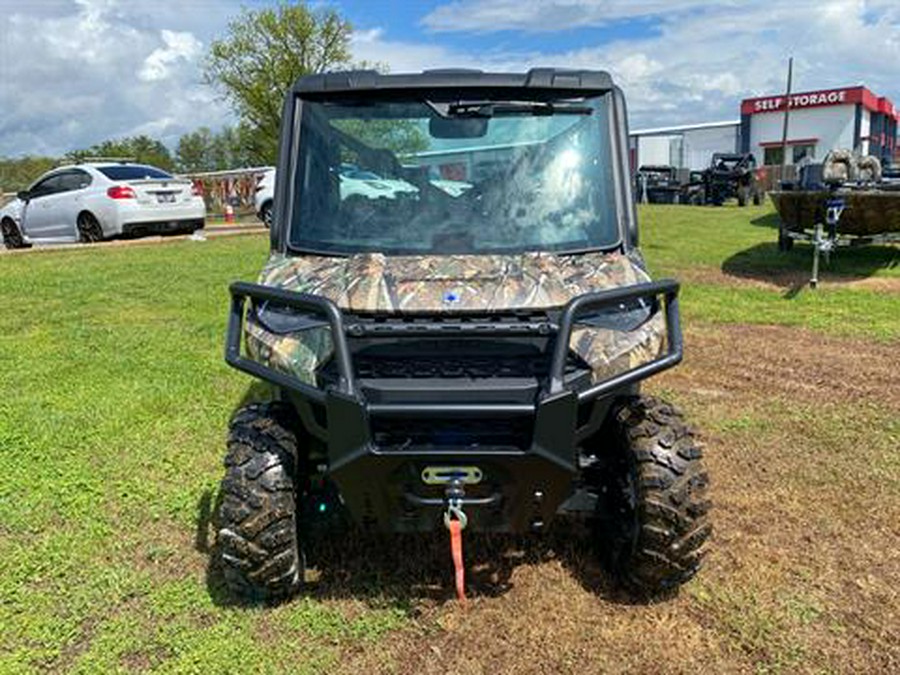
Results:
[527, 473]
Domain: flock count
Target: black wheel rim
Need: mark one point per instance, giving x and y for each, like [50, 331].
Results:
[617, 518]
[12, 238]
[89, 230]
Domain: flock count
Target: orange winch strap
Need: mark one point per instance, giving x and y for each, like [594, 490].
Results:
[457, 553]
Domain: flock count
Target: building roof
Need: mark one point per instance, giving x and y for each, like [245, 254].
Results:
[661, 131]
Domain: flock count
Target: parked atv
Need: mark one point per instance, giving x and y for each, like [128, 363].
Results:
[657, 184]
[463, 358]
[664, 184]
[732, 176]
[693, 190]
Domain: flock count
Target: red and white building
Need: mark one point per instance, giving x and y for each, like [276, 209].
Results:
[850, 117]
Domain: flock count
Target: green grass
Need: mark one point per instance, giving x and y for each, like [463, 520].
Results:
[114, 399]
[743, 242]
[734, 273]
[113, 404]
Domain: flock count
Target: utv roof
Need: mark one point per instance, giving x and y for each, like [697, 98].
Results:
[536, 78]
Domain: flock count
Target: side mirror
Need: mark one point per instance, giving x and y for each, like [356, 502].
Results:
[24, 195]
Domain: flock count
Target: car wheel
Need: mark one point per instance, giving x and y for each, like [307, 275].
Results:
[12, 237]
[89, 229]
[265, 214]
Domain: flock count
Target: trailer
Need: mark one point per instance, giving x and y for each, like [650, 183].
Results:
[836, 218]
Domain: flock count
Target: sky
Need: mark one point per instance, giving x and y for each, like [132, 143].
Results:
[77, 72]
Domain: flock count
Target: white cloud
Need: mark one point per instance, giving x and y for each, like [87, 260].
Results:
[179, 46]
[702, 57]
[75, 72]
[91, 70]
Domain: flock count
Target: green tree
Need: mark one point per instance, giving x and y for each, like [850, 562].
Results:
[194, 151]
[402, 137]
[262, 56]
[141, 149]
[233, 148]
[17, 174]
[204, 150]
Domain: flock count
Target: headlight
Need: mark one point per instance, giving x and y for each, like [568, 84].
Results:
[625, 317]
[282, 320]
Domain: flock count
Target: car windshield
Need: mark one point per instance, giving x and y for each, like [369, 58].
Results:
[463, 176]
[132, 172]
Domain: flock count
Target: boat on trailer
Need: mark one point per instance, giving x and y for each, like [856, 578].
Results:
[845, 201]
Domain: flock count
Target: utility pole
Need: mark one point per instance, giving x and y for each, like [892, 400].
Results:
[787, 115]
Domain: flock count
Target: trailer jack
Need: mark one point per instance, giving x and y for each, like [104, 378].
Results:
[825, 244]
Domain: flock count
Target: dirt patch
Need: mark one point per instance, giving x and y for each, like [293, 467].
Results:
[762, 362]
[139, 662]
[804, 565]
[548, 622]
[788, 279]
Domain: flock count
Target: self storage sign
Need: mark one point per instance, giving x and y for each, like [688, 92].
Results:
[809, 99]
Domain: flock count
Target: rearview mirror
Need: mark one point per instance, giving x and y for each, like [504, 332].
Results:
[24, 195]
[458, 127]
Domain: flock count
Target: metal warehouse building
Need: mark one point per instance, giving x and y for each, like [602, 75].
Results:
[820, 121]
[685, 147]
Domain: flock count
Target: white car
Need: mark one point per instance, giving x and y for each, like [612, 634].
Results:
[367, 184]
[354, 181]
[94, 201]
[264, 197]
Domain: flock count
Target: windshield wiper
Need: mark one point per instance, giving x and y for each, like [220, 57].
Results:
[495, 108]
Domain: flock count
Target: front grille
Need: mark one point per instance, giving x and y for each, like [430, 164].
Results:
[523, 322]
[373, 366]
[459, 361]
[509, 349]
[512, 433]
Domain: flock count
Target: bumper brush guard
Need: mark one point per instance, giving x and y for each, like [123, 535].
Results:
[537, 478]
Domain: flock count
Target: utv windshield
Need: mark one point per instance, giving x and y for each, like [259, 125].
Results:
[478, 175]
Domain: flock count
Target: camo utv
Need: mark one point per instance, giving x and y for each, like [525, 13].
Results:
[455, 319]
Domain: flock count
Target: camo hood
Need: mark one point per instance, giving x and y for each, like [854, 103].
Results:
[485, 283]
